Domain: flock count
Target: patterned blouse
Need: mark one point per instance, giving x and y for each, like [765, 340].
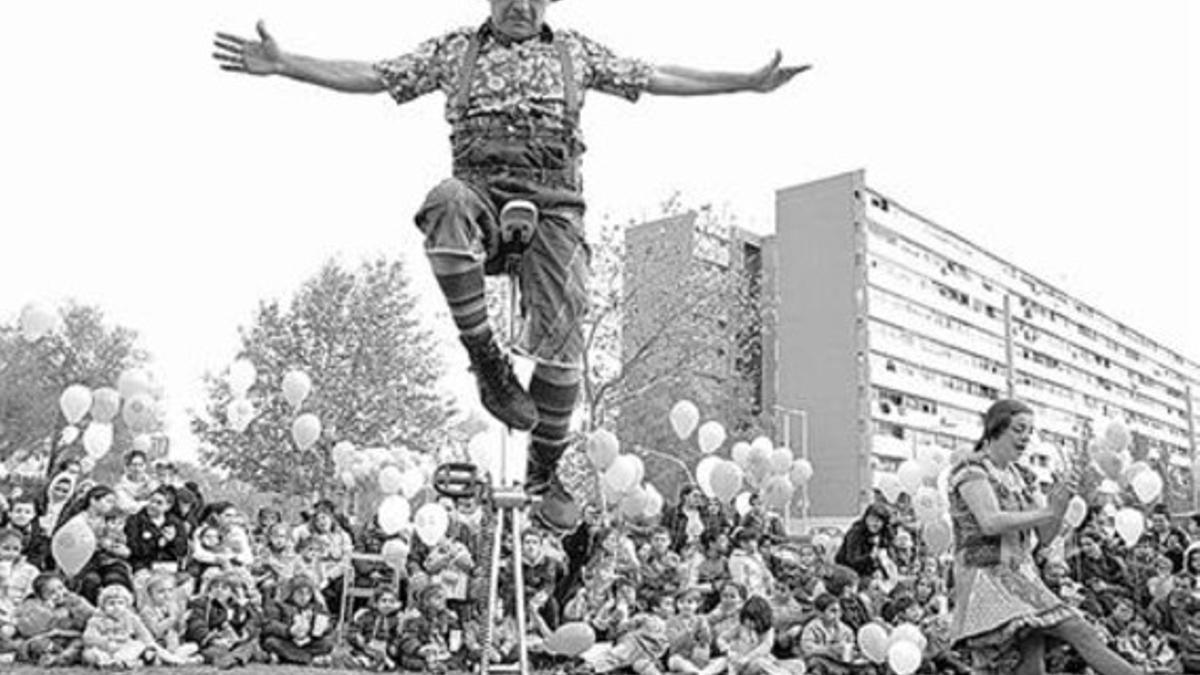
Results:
[1014, 489]
[520, 80]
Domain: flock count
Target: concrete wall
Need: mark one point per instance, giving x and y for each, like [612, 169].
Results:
[818, 335]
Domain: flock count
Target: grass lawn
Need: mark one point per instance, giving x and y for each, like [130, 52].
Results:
[22, 669]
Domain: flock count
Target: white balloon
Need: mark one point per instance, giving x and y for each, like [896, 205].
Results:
[781, 460]
[411, 482]
[97, 439]
[684, 417]
[483, 451]
[1130, 524]
[389, 480]
[603, 448]
[240, 414]
[242, 375]
[37, 321]
[75, 401]
[911, 475]
[623, 474]
[70, 434]
[740, 453]
[704, 472]
[802, 471]
[431, 521]
[1117, 436]
[711, 436]
[926, 505]
[727, 478]
[654, 501]
[904, 658]
[741, 504]
[143, 442]
[306, 429]
[1076, 511]
[1147, 485]
[907, 632]
[761, 446]
[393, 513]
[133, 382]
[297, 385]
[342, 454]
[889, 485]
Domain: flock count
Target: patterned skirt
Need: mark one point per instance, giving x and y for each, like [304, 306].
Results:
[996, 607]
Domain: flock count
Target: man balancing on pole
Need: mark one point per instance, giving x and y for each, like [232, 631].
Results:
[514, 90]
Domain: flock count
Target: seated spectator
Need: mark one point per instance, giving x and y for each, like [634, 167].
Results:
[276, 560]
[16, 579]
[746, 564]
[56, 497]
[865, 546]
[135, 487]
[713, 571]
[829, 645]
[748, 646]
[640, 644]
[35, 543]
[689, 636]
[51, 622]
[427, 641]
[662, 569]
[725, 616]
[620, 606]
[374, 633]
[225, 624]
[157, 539]
[297, 628]
[164, 617]
[115, 636]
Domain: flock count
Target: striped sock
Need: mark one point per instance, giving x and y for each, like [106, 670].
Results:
[464, 295]
[555, 405]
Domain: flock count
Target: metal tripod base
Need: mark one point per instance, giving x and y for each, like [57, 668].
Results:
[508, 506]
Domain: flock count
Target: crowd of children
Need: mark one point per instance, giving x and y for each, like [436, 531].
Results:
[699, 589]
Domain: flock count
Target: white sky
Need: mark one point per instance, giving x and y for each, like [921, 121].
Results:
[139, 177]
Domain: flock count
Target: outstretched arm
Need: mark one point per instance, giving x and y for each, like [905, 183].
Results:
[682, 81]
[264, 57]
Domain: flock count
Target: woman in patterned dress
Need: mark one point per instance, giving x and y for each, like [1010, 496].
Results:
[1003, 612]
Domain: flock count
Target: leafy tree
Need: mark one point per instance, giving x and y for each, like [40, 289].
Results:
[677, 312]
[85, 350]
[374, 369]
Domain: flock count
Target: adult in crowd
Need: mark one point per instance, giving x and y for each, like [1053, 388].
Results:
[134, 488]
[157, 538]
[1003, 612]
[55, 498]
[865, 546]
[108, 565]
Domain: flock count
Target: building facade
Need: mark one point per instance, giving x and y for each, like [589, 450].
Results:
[891, 332]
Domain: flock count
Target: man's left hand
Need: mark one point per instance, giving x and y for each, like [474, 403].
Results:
[773, 75]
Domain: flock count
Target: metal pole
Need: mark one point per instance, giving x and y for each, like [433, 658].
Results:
[519, 576]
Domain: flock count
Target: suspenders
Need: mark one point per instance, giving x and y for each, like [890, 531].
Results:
[466, 73]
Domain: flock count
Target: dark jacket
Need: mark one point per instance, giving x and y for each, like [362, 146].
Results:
[281, 613]
[859, 547]
[149, 543]
[207, 618]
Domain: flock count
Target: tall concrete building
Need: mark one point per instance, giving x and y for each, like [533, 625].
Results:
[691, 281]
[892, 332]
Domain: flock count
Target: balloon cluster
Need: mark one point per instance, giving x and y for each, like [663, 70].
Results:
[924, 479]
[296, 387]
[133, 398]
[901, 649]
[621, 477]
[1123, 465]
[773, 471]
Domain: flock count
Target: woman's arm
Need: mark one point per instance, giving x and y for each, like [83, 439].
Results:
[992, 520]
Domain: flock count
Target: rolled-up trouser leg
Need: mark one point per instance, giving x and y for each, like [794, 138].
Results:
[456, 220]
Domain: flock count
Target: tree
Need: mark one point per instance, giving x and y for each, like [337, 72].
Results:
[374, 369]
[677, 312]
[33, 375]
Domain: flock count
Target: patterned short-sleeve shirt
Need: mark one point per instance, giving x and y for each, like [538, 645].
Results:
[517, 80]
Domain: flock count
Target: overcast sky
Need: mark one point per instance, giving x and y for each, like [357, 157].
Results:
[139, 177]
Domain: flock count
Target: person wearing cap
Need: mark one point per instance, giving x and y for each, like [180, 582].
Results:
[514, 90]
[1003, 611]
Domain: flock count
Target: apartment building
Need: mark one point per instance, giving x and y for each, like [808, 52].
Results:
[892, 332]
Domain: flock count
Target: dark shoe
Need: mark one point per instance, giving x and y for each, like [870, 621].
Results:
[499, 391]
[557, 510]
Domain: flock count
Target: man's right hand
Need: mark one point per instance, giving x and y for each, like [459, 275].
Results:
[239, 55]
